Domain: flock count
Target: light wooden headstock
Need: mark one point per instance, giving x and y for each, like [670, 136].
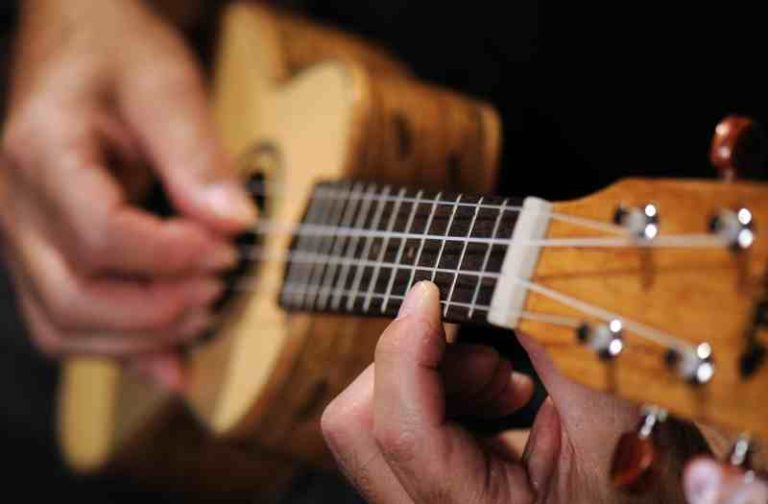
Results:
[684, 287]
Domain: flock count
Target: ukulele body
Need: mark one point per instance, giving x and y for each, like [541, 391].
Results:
[295, 103]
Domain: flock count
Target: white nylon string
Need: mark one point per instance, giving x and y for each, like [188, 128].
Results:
[550, 318]
[371, 197]
[660, 337]
[693, 240]
[649, 333]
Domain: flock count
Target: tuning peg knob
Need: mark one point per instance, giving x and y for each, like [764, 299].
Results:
[741, 453]
[695, 365]
[605, 339]
[635, 453]
[738, 148]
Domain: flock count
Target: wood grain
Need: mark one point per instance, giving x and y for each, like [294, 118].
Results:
[332, 107]
[697, 295]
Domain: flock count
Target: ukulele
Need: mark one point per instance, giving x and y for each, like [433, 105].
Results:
[369, 181]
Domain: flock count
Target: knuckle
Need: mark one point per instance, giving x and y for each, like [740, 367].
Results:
[177, 257]
[48, 342]
[495, 384]
[50, 346]
[23, 128]
[410, 337]
[392, 342]
[398, 443]
[178, 78]
[332, 422]
[336, 422]
[164, 309]
[61, 307]
[91, 248]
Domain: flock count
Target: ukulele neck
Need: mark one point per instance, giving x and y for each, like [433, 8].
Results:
[361, 246]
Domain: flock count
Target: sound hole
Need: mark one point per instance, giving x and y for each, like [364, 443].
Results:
[262, 162]
[246, 243]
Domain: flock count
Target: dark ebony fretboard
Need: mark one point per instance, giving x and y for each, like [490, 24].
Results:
[361, 246]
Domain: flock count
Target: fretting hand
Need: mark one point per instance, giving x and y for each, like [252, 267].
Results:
[393, 434]
[104, 94]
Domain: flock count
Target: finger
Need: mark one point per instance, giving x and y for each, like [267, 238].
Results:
[167, 107]
[577, 406]
[542, 450]
[434, 459]
[66, 190]
[707, 482]
[161, 368]
[106, 304]
[479, 382]
[56, 343]
[347, 425]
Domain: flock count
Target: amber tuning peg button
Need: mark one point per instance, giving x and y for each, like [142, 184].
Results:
[738, 148]
[635, 453]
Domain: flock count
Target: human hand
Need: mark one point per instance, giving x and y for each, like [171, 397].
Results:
[394, 434]
[707, 482]
[104, 94]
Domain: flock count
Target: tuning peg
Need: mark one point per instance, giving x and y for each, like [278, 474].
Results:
[641, 222]
[694, 365]
[735, 227]
[741, 453]
[738, 148]
[605, 339]
[635, 453]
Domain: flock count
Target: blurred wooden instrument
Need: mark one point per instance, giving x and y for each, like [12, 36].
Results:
[368, 180]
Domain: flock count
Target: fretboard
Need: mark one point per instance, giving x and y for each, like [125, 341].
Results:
[361, 246]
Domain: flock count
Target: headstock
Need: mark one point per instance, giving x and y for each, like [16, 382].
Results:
[664, 301]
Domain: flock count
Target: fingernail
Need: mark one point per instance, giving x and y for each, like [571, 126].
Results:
[421, 295]
[205, 292]
[193, 323]
[229, 201]
[702, 483]
[221, 257]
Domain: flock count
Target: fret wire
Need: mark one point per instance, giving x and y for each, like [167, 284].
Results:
[362, 216]
[299, 257]
[315, 246]
[461, 259]
[430, 218]
[383, 250]
[325, 245]
[399, 256]
[487, 257]
[352, 206]
[443, 242]
[330, 193]
[295, 269]
[367, 247]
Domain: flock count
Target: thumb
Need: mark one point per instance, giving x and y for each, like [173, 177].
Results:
[166, 106]
[430, 455]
